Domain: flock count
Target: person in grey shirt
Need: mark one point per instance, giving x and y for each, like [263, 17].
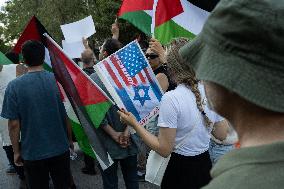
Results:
[116, 136]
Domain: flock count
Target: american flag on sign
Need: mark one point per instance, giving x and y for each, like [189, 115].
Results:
[131, 82]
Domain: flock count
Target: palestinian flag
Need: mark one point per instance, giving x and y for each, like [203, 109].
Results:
[180, 18]
[4, 60]
[138, 13]
[33, 31]
[89, 103]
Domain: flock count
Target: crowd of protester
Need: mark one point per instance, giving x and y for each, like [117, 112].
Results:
[223, 90]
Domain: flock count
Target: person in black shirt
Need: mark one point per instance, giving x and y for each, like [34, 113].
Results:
[156, 57]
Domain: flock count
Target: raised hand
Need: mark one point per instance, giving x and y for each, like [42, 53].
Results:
[157, 48]
[127, 118]
[115, 30]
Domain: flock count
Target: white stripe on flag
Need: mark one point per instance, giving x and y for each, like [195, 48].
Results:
[192, 19]
[47, 58]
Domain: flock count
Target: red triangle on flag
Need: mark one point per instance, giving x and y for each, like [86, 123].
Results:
[134, 5]
[166, 10]
[33, 31]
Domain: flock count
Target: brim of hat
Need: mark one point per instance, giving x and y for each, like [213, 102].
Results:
[257, 84]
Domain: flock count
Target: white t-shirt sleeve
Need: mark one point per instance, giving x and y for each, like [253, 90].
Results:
[168, 115]
[216, 117]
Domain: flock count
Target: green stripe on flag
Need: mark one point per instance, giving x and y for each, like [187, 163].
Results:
[4, 60]
[97, 111]
[82, 139]
[47, 67]
[140, 19]
[170, 30]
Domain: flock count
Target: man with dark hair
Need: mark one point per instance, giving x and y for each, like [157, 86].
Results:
[116, 136]
[33, 53]
[240, 57]
[109, 47]
[35, 111]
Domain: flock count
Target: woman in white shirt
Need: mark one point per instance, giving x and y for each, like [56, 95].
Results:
[182, 110]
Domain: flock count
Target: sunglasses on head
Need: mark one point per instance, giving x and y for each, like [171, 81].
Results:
[151, 56]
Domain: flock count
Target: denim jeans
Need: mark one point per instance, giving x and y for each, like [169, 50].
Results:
[129, 172]
[217, 150]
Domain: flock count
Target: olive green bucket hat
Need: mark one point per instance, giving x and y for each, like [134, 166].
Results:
[241, 48]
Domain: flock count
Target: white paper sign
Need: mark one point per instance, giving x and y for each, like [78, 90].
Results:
[77, 30]
[74, 49]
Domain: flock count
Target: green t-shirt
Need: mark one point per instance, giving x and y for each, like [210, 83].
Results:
[260, 167]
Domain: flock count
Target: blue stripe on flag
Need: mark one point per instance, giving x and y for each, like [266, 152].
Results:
[128, 102]
[156, 90]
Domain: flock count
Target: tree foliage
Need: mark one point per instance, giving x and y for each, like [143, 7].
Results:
[53, 13]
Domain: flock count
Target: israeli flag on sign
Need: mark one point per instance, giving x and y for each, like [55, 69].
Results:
[130, 80]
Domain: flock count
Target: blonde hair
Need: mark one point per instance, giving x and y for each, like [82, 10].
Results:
[184, 74]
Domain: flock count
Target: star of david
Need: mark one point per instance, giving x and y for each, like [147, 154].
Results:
[142, 94]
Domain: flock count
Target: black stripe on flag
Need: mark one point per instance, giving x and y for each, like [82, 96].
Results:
[207, 5]
[64, 78]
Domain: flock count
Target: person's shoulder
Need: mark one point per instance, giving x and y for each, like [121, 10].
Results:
[49, 75]
[173, 96]
[16, 81]
[169, 95]
[178, 92]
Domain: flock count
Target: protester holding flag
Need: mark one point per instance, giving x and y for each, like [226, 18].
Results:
[156, 56]
[182, 111]
[43, 127]
[116, 136]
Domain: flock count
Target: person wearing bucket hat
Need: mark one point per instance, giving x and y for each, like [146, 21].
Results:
[240, 57]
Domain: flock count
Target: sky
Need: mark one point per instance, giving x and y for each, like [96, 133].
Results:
[2, 2]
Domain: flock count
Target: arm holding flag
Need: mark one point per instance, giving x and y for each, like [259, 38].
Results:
[163, 144]
[157, 48]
